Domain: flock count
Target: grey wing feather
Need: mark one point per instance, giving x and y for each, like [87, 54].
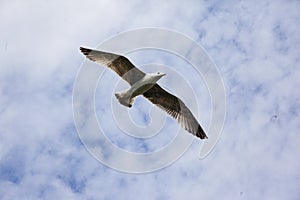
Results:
[176, 108]
[120, 64]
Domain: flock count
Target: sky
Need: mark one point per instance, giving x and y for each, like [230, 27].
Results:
[253, 45]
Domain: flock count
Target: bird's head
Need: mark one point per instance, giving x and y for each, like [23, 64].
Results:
[160, 74]
[154, 77]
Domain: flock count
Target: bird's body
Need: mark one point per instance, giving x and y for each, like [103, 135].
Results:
[140, 87]
[146, 85]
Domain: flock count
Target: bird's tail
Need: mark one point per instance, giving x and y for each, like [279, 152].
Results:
[124, 100]
[119, 96]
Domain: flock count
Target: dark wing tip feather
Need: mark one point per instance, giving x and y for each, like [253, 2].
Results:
[85, 51]
[201, 134]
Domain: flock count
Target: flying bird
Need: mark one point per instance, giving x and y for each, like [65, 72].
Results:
[145, 84]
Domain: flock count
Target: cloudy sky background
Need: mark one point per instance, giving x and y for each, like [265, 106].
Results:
[255, 45]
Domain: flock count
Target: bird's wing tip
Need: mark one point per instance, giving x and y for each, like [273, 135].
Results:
[85, 51]
[201, 134]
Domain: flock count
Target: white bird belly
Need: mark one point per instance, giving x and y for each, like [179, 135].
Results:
[141, 86]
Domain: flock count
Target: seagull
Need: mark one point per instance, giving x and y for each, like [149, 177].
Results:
[145, 84]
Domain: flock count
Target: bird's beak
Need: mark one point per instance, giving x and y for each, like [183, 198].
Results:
[162, 74]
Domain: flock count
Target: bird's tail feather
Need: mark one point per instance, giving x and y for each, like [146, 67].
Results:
[120, 97]
[124, 100]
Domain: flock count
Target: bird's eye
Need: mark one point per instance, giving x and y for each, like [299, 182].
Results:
[158, 73]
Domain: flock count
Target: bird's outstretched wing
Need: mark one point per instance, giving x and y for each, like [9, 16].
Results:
[120, 64]
[176, 108]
